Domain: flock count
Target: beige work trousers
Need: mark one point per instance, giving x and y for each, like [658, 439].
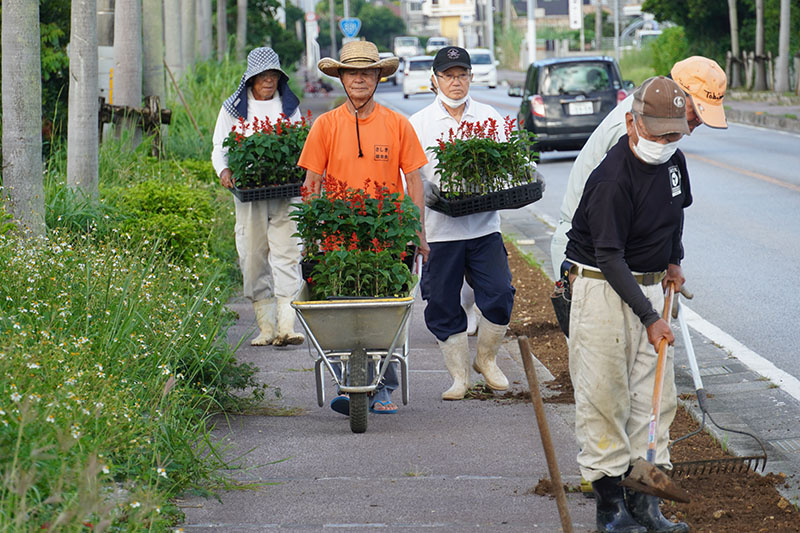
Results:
[269, 255]
[613, 366]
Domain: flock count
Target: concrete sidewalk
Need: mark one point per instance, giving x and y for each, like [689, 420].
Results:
[434, 465]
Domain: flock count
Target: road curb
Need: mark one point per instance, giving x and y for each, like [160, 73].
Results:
[764, 120]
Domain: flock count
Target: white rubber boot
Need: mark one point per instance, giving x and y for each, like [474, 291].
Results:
[456, 358]
[286, 316]
[489, 338]
[265, 318]
[472, 320]
[468, 303]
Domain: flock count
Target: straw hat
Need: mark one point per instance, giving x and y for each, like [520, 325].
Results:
[360, 55]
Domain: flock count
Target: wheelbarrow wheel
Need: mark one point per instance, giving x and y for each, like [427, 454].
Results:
[359, 403]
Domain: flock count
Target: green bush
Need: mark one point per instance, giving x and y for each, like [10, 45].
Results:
[174, 213]
[669, 48]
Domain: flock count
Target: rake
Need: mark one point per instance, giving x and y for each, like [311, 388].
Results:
[734, 465]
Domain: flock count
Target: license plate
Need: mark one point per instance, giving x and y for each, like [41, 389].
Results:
[581, 108]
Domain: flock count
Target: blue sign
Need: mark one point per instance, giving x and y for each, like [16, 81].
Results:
[350, 27]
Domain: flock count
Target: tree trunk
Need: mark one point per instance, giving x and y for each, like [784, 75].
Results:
[188, 26]
[153, 80]
[82, 130]
[203, 48]
[736, 76]
[128, 61]
[598, 25]
[782, 68]
[241, 29]
[761, 60]
[22, 115]
[172, 37]
[506, 15]
[222, 29]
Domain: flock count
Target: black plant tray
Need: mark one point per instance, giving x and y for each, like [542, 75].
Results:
[289, 190]
[512, 198]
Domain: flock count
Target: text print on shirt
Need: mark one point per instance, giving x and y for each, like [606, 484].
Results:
[381, 152]
[675, 180]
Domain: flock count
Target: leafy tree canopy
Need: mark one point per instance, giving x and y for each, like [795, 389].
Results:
[707, 25]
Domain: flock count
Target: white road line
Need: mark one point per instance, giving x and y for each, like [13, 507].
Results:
[755, 362]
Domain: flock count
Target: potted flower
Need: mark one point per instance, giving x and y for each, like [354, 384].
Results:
[356, 243]
[479, 172]
[264, 164]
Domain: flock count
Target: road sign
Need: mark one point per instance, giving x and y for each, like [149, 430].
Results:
[311, 16]
[350, 27]
[575, 14]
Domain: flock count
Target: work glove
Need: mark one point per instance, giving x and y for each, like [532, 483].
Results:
[432, 193]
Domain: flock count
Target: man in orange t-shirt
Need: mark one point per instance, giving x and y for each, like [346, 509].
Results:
[359, 141]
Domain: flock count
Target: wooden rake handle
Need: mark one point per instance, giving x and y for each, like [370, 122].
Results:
[658, 387]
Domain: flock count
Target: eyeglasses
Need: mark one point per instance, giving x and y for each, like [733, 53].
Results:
[271, 76]
[451, 78]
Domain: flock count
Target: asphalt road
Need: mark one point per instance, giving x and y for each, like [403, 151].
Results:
[742, 234]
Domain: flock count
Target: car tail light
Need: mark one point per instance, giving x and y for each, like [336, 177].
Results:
[537, 105]
[621, 95]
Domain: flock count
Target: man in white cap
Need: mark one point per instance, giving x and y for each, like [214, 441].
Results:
[470, 245]
[704, 83]
[362, 140]
[626, 230]
[269, 254]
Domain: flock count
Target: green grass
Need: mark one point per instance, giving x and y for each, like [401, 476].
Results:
[112, 336]
[637, 65]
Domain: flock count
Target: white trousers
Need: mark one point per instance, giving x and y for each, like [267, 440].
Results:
[269, 256]
[613, 366]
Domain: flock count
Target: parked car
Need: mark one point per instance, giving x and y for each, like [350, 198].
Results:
[393, 77]
[435, 44]
[484, 67]
[417, 75]
[406, 46]
[564, 99]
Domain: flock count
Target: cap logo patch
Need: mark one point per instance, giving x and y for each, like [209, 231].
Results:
[453, 53]
[679, 101]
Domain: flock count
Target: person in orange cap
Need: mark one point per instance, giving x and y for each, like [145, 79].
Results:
[704, 83]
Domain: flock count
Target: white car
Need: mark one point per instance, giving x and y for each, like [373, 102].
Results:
[435, 44]
[393, 77]
[417, 75]
[484, 67]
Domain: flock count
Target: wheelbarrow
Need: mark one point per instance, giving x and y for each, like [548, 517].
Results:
[351, 333]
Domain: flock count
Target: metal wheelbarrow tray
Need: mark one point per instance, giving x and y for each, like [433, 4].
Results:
[350, 333]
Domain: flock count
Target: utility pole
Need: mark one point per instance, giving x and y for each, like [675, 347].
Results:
[616, 29]
[531, 35]
[334, 53]
[489, 25]
[346, 8]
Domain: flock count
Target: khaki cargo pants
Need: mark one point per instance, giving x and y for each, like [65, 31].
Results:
[269, 256]
[612, 366]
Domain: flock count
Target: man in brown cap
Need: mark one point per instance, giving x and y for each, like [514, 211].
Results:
[703, 81]
[626, 230]
[362, 140]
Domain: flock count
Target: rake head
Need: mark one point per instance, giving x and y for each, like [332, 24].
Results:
[727, 465]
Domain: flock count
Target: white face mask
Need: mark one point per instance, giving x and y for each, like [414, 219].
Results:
[651, 152]
[446, 100]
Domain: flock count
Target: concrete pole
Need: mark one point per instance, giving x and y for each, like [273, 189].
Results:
[346, 8]
[598, 25]
[490, 26]
[334, 53]
[222, 29]
[172, 37]
[531, 35]
[616, 29]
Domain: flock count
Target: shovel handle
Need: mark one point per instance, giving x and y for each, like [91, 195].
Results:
[658, 387]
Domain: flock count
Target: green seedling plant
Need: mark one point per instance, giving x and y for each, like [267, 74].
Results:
[357, 241]
[263, 153]
[477, 159]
